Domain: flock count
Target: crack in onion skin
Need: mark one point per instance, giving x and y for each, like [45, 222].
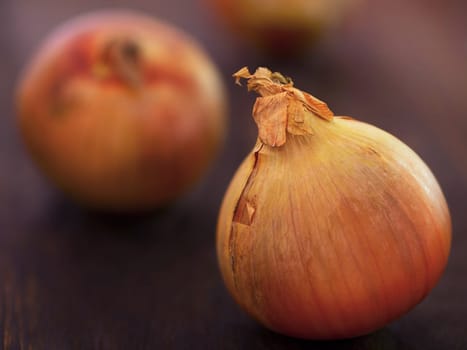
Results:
[350, 229]
[122, 111]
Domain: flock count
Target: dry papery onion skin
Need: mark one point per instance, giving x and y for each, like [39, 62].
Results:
[330, 228]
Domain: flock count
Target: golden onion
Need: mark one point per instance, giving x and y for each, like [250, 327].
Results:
[122, 111]
[331, 227]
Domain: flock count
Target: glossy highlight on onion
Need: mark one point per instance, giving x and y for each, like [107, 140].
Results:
[122, 111]
[330, 228]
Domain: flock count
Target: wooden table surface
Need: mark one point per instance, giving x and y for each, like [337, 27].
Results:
[70, 279]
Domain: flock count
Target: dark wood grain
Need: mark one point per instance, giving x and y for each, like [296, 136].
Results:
[70, 279]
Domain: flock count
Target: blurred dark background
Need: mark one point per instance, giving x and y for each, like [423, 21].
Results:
[70, 279]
